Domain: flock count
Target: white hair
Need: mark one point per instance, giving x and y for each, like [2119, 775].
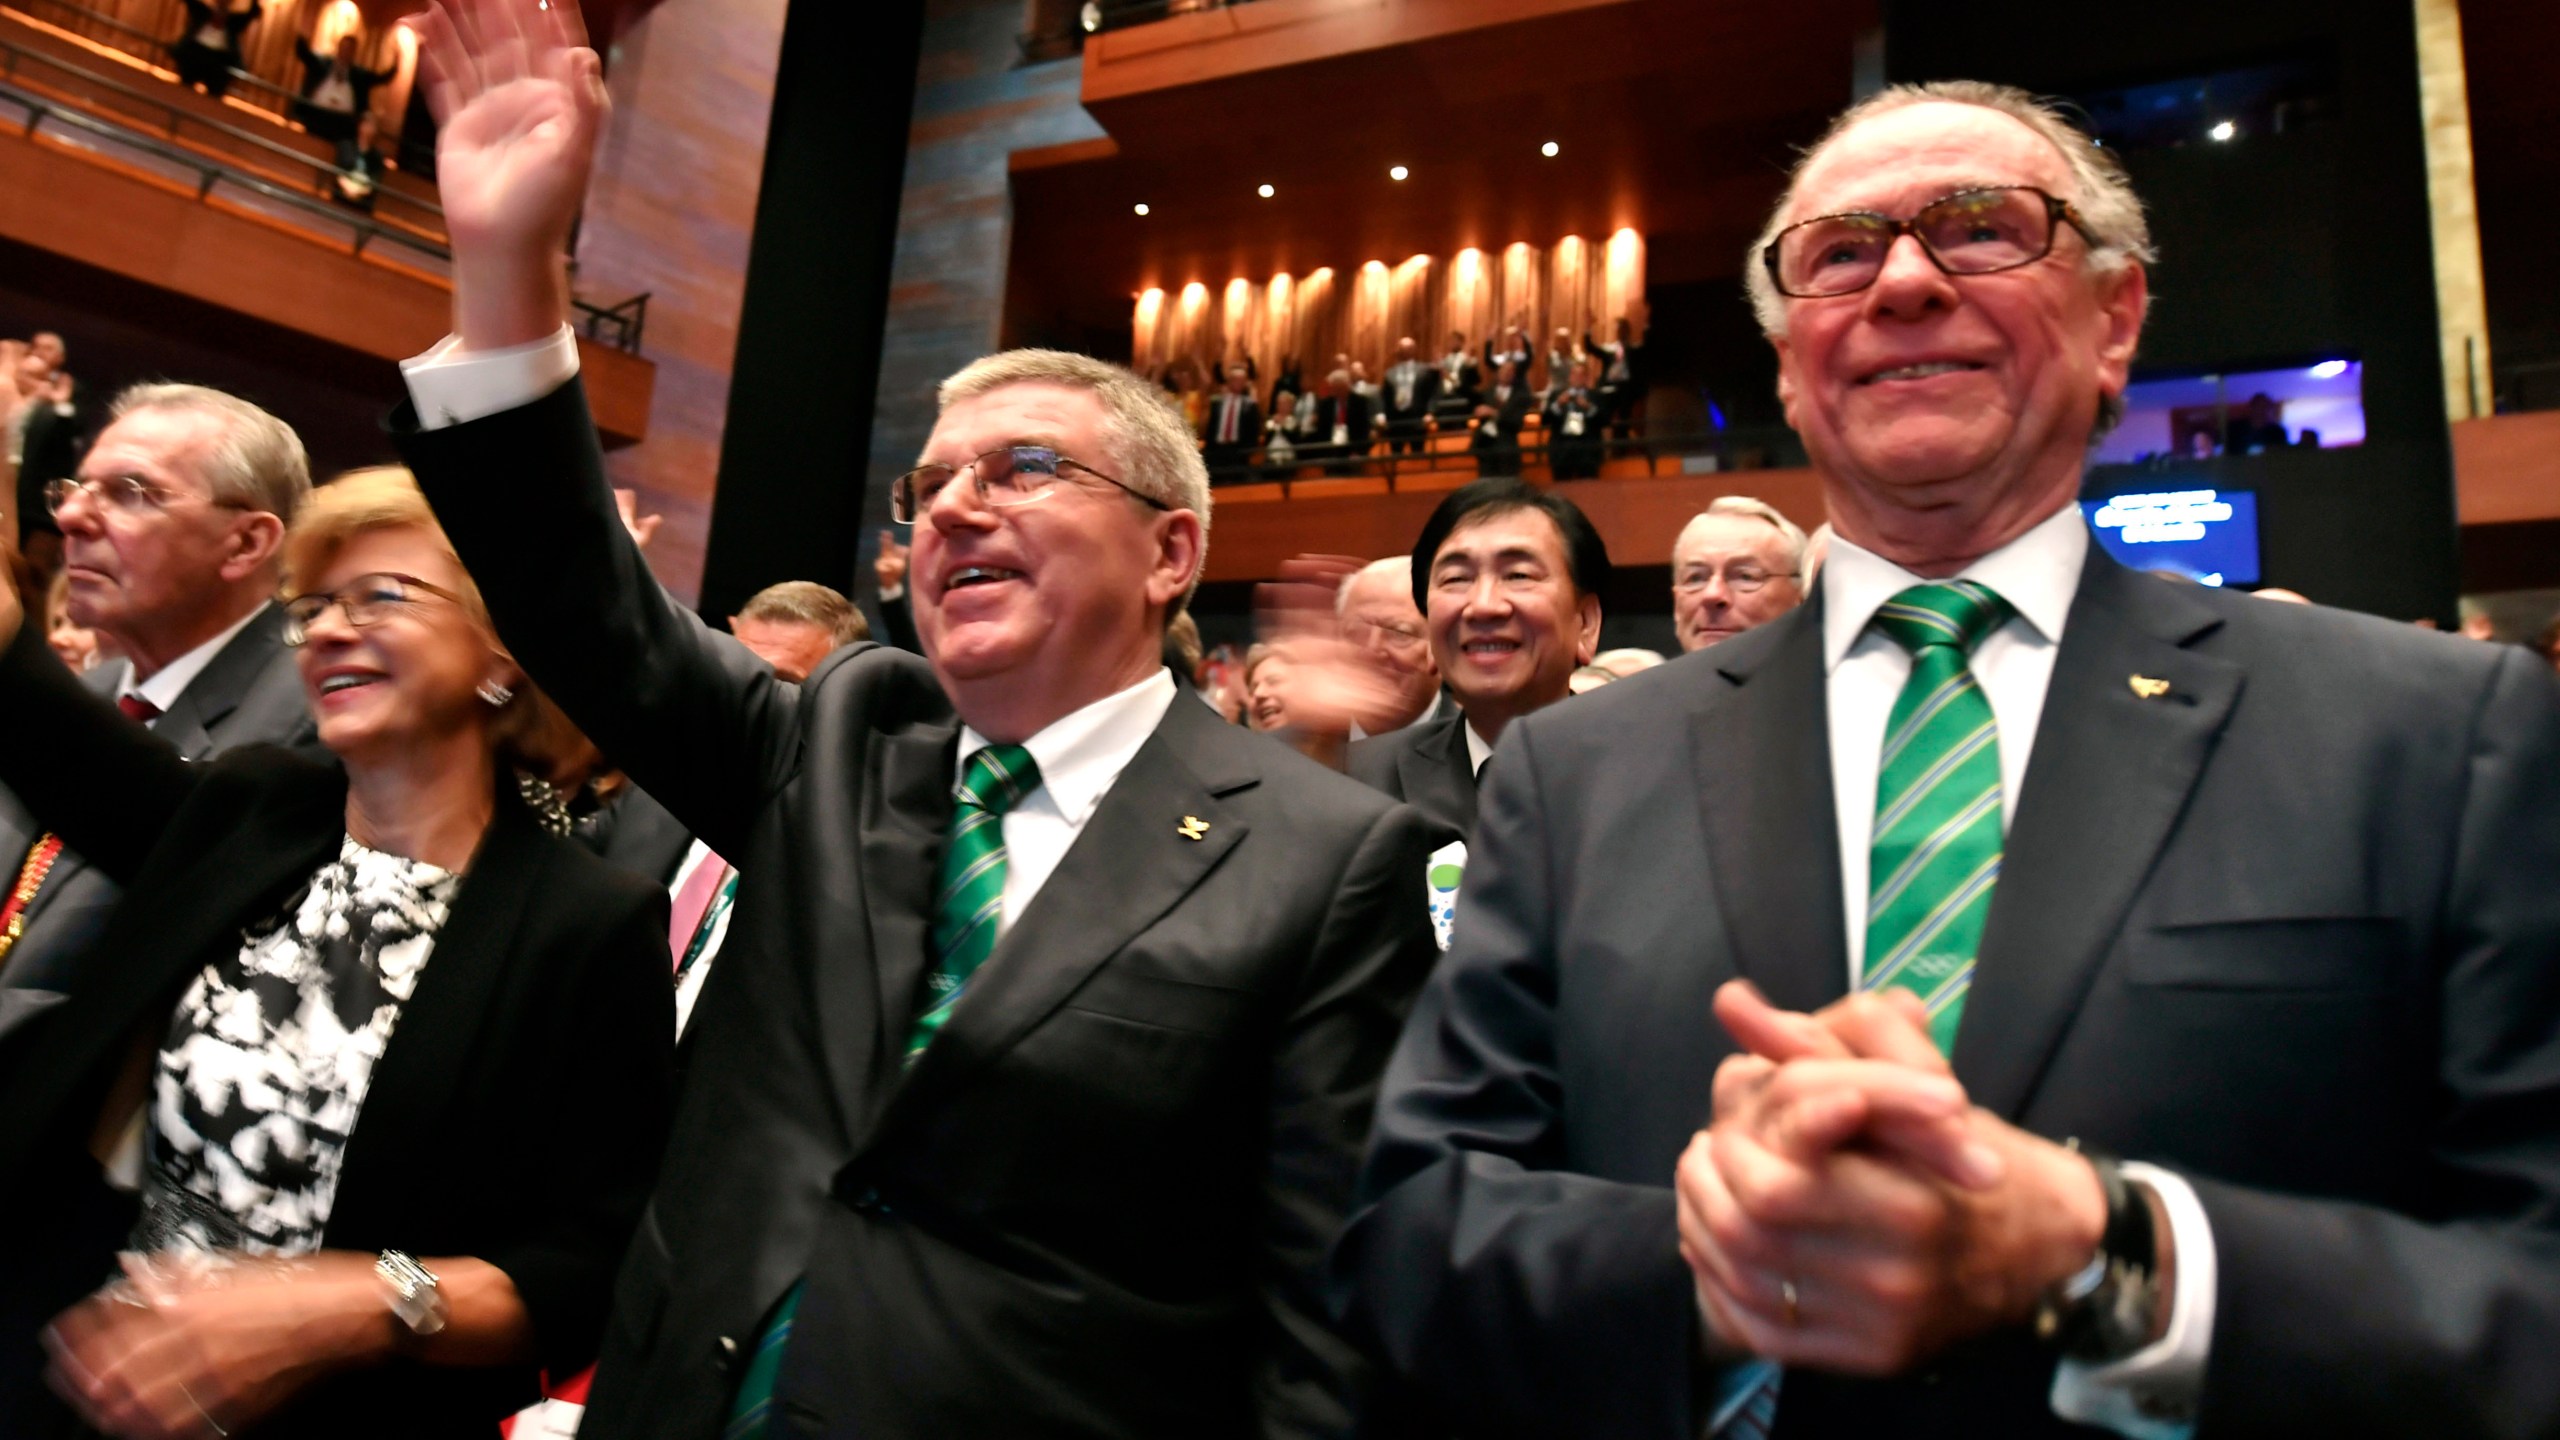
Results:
[255, 461]
[1150, 445]
[1397, 569]
[1745, 507]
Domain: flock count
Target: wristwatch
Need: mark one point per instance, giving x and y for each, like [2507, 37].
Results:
[2103, 1310]
[413, 1293]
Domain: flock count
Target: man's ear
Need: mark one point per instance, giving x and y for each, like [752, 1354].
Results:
[2124, 297]
[1786, 377]
[1182, 544]
[253, 544]
[1586, 639]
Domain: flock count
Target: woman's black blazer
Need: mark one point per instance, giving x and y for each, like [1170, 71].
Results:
[518, 1111]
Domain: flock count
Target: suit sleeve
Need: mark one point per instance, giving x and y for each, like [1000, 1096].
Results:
[688, 712]
[1371, 956]
[2344, 1319]
[107, 786]
[608, 1105]
[1509, 1294]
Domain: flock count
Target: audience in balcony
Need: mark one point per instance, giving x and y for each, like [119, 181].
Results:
[1234, 425]
[1500, 413]
[207, 50]
[1460, 379]
[1562, 355]
[1340, 430]
[1410, 388]
[1573, 417]
[361, 164]
[1620, 374]
[335, 89]
[1280, 432]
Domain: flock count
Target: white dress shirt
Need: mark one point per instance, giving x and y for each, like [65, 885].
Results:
[2037, 573]
[1079, 756]
[1479, 749]
[170, 681]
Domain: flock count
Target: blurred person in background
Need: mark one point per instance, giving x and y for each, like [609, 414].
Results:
[1631, 660]
[1234, 427]
[1280, 434]
[1619, 367]
[335, 89]
[361, 166]
[74, 643]
[1270, 678]
[1737, 564]
[1588, 678]
[208, 48]
[794, 625]
[1500, 413]
[1508, 577]
[1573, 417]
[1339, 429]
[406, 1072]
[1410, 389]
[46, 413]
[1460, 378]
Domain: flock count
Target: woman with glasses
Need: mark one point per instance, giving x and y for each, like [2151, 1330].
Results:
[383, 1064]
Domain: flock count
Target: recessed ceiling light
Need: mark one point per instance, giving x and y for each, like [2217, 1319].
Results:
[1549, 149]
[2223, 130]
[1142, 207]
[1266, 192]
[1396, 172]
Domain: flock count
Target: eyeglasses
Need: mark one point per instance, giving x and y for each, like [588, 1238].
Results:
[1740, 582]
[1972, 232]
[130, 495]
[1014, 475]
[365, 601]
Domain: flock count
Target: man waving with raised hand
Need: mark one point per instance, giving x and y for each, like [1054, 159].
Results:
[1031, 1084]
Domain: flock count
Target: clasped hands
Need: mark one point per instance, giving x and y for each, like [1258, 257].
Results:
[1850, 1209]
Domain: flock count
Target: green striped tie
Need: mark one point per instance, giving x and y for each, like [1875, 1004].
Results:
[1935, 852]
[965, 912]
[971, 899]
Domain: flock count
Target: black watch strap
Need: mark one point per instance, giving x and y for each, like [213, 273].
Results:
[2103, 1311]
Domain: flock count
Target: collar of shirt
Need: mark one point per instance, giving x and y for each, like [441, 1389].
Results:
[171, 680]
[1479, 749]
[2037, 573]
[1080, 754]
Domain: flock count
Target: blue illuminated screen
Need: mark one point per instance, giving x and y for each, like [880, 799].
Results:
[2209, 536]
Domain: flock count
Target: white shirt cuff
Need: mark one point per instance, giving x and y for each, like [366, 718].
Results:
[894, 593]
[453, 386]
[2152, 1393]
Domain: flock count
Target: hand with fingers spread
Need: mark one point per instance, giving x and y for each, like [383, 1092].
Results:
[642, 528]
[1850, 1209]
[1334, 682]
[519, 99]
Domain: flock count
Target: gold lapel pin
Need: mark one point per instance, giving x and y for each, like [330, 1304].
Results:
[2148, 688]
[1193, 828]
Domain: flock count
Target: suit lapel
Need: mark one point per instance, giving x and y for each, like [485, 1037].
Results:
[414, 1081]
[2110, 775]
[1437, 776]
[864, 1016]
[216, 690]
[1763, 758]
[1132, 863]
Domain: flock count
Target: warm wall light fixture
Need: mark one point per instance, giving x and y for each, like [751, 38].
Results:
[2223, 130]
[1266, 192]
[1142, 207]
[1396, 172]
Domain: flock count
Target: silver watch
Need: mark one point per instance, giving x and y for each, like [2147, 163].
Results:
[413, 1293]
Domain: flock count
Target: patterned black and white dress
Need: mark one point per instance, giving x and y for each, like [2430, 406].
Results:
[271, 1052]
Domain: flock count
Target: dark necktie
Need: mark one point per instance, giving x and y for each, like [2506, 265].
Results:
[137, 709]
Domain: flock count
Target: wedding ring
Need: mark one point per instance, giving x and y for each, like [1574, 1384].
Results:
[210, 1423]
[1787, 1298]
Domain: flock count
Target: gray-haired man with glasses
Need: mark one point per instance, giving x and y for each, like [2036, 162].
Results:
[2137, 1002]
[171, 532]
[1031, 1084]
[1737, 565]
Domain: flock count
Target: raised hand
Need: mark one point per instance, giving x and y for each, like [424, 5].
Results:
[519, 99]
[889, 567]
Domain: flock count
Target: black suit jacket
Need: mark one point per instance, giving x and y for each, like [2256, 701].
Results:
[2290, 929]
[1509, 416]
[1349, 410]
[1099, 1204]
[316, 68]
[638, 834]
[1426, 766]
[515, 1116]
[1248, 426]
[248, 694]
[1426, 389]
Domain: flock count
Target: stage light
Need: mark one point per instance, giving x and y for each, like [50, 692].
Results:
[1091, 18]
[1396, 172]
[1549, 149]
[1266, 192]
[2223, 130]
[1142, 207]
[2328, 370]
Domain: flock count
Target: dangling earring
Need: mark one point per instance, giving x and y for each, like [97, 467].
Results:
[496, 694]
